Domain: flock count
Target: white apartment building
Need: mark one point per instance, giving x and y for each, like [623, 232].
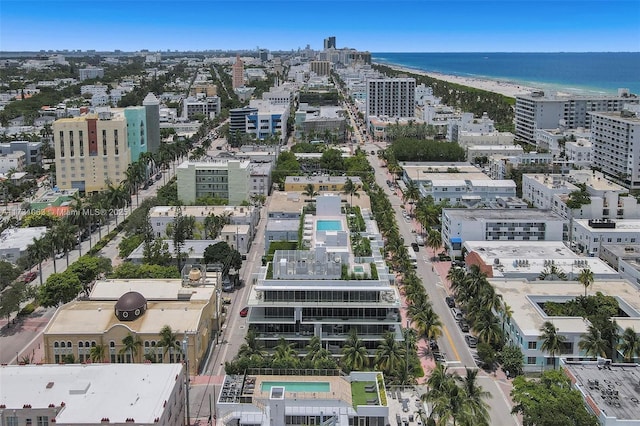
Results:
[550, 139]
[440, 116]
[467, 123]
[538, 110]
[304, 293]
[15, 241]
[425, 96]
[162, 216]
[460, 225]
[588, 235]
[475, 151]
[92, 394]
[616, 145]
[219, 178]
[608, 200]
[93, 89]
[391, 97]
[501, 165]
[625, 258]
[466, 138]
[208, 106]
[91, 72]
[528, 298]
[15, 161]
[579, 153]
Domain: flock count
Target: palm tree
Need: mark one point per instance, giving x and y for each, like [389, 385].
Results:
[351, 189]
[552, 342]
[552, 272]
[134, 176]
[313, 348]
[390, 355]
[592, 343]
[66, 236]
[39, 251]
[97, 353]
[118, 197]
[630, 345]
[310, 190]
[80, 217]
[284, 351]
[131, 344]
[434, 240]
[168, 341]
[354, 353]
[411, 193]
[586, 279]
[251, 346]
[487, 328]
[475, 397]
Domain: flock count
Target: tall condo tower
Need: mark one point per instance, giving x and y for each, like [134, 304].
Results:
[152, 108]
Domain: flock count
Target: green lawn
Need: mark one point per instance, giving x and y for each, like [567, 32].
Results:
[359, 395]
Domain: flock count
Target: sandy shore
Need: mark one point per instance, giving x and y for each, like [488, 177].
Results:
[496, 86]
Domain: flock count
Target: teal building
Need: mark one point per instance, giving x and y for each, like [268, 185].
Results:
[136, 117]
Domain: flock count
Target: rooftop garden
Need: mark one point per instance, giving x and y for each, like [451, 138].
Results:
[364, 393]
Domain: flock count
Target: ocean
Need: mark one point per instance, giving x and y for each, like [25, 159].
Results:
[581, 73]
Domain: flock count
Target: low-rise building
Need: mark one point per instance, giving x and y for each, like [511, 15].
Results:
[14, 162]
[141, 308]
[532, 260]
[93, 394]
[321, 183]
[579, 152]
[475, 151]
[588, 235]
[162, 216]
[460, 225]
[625, 258]
[275, 398]
[15, 241]
[527, 299]
[218, 178]
[32, 150]
[208, 106]
[606, 389]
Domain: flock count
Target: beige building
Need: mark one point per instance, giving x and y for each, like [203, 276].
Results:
[219, 178]
[90, 151]
[116, 309]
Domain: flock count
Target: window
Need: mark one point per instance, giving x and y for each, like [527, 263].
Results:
[12, 421]
[532, 345]
[104, 142]
[28, 422]
[61, 143]
[81, 143]
[43, 421]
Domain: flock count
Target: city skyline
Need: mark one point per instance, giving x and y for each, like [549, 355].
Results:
[374, 25]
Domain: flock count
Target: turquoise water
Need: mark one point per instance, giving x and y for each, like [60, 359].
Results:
[593, 72]
[297, 386]
[358, 269]
[329, 225]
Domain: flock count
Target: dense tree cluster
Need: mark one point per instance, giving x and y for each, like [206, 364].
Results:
[408, 149]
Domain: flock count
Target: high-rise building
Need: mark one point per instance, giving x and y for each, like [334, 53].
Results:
[539, 111]
[391, 97]
[137, 132]
[92, 150]
[237, 73]
[152, 107]
[330, 42]
[320, 67]
[614, 152]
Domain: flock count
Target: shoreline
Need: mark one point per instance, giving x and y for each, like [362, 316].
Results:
[504, 88]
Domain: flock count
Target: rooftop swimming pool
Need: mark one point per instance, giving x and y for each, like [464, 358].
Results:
[297, 386]
[328, 225]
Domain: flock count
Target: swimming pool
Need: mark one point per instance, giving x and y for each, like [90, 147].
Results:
[298, 386]
[329, 225]
[358, 269]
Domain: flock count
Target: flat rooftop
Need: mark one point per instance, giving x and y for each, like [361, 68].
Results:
[286, 202]
[523, 295]
[418, 168]
[503, 214]
[202, 211]
[152, 289]
[531, 257]
[614, 390]
[92, 317]
[439, 177]
[91, 392]
[315, 180]
[622, 225]
[20, 238]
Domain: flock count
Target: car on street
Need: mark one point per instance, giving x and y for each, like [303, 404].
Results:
[451, 302]
[419, 240]
[60, 255]
[439, 357]
[472, 342]
[226, 300]
[415, 247]
[464, 326]
[29, 276]
[244, 312]
[159, 176]
[433, 345]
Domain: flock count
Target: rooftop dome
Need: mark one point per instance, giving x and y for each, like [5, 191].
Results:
[130, 306]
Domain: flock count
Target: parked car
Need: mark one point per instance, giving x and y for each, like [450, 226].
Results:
[433, 345]
[159, 176]
[415, 247]
[472, 342]
[226, 300]
[29, 276]
[60, 255]
[457, 314]
[419, 240]
[464, 326]
[244, 311]
[451, 302]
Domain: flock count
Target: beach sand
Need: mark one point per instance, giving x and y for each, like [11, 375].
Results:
[495, 86]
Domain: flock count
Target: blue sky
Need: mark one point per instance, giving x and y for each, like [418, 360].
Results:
[374, 25]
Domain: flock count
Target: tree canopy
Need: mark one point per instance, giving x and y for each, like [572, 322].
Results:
[222, 253]
[411, 149]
